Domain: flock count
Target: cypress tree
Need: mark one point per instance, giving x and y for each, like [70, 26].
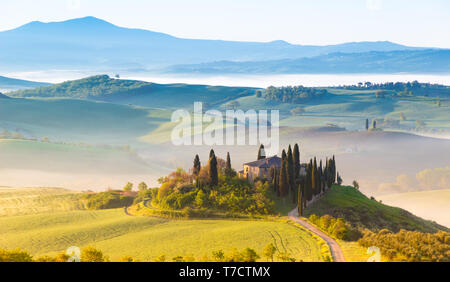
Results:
[261, 153]
[339, 179]
[296, 161]
[291, 169]
[277, 183]
[274, 177]
[321, 177]
[367, 124]
[314, 184]
[213, 173]
[283, 179]
[334, 170]
[272, 173]
[308, 184]
[300, 200]
[330, 173]
[197, 166]
[228, 168]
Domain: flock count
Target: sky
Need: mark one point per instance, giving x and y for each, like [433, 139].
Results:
[309, 22]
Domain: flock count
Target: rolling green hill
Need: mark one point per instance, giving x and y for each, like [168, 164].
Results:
[22, 201]
[346, 107]
[104, 88]
[146, 238]
[350, 108]
[354, 207]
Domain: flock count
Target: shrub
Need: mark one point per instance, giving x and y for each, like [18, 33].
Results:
[336, 227]
[15, 256]
[409, 245]
[91, 254]
[107, 200]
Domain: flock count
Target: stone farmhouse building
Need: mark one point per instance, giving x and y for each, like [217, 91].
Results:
[260, 169]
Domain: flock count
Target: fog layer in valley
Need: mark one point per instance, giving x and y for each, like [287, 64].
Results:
[263, 81]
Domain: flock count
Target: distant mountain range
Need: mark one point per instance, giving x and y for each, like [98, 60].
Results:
[418, 61]
[91, 43]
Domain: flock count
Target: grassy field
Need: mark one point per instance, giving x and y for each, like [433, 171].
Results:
[353, 206]
[146, 238]
[23, 201]
[433, 205]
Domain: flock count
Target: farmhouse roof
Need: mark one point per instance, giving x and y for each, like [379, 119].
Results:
[266, 163]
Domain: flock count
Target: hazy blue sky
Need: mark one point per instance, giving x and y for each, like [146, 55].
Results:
[411, 22]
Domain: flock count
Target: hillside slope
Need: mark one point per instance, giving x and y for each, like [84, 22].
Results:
[23, 201]
[355, 208]
[72, 120]
[145, 238]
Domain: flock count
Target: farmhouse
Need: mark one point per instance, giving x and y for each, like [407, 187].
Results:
[260, 169]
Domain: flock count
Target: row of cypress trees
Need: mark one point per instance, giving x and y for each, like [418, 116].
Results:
[284, 180]
[287, 180]
[316, 181]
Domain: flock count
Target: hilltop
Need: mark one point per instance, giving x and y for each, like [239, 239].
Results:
[360, 211]
[104, 88]
[90, 87]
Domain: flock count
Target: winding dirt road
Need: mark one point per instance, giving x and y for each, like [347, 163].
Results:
[336, 252]
[125, 209]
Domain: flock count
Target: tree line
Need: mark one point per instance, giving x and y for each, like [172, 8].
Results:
[394, 86]
[292, 94]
